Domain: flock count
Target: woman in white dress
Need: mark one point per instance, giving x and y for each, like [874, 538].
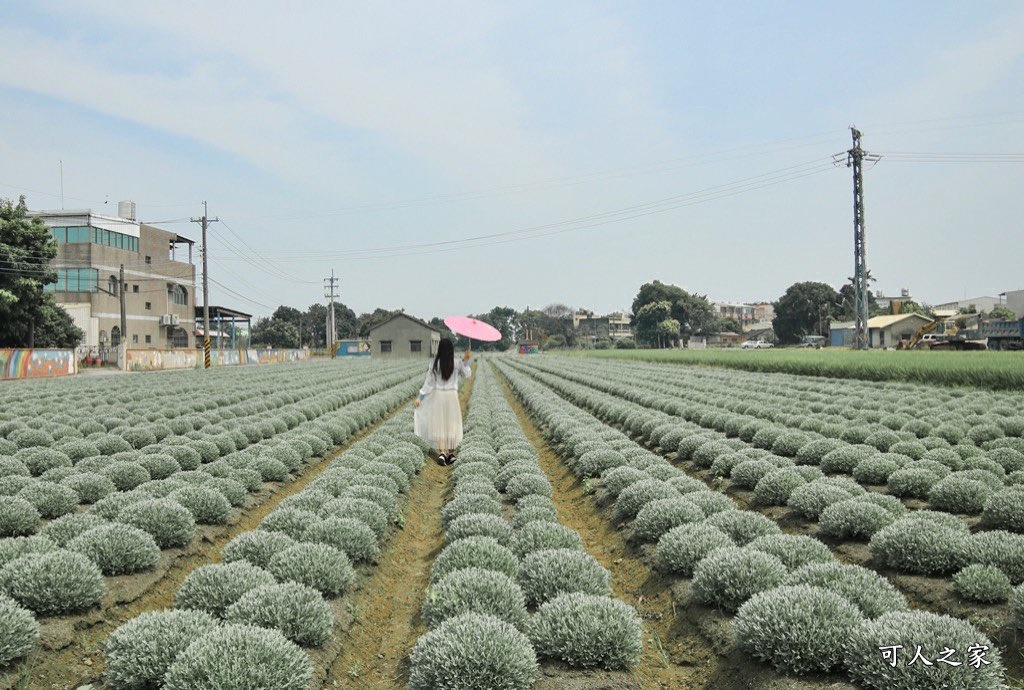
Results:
[438, 418]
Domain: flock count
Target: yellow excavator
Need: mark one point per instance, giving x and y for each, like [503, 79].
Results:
[921, 332]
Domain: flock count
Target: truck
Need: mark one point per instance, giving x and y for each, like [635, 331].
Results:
[1003, 335]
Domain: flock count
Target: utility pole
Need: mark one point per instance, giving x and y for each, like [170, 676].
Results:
[124, 317]
[855, 158]
[332, 331]
[204, 221]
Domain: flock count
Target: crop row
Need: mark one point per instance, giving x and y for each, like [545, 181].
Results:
[60, 570]
[242, 623]
[796, 607]
[506, 591]
[784, 470]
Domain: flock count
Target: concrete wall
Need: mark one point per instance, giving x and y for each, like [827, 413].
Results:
[24, 363]
[401, 332]
[1015, 302]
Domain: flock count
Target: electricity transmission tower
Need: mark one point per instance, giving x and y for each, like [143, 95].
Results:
[329, 286]
[855, 158]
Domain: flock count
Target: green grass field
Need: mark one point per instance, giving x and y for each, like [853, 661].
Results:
[995, 370]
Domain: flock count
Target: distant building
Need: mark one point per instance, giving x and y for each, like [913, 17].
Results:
[984, 303]
[744, 314]
[590, 327]
[1014, 302]
[159, 278]
[883, 331]
[883, 301]
[404, 336]
[229, 328]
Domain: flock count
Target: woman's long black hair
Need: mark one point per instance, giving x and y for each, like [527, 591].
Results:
[444, 362]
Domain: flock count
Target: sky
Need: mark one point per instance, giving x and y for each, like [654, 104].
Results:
[448, 157]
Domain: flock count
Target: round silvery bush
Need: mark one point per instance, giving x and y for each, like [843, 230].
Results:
[270, 469]
[586, 630]
[208, 506]
[526, 484]
[913, 545]
[743, 526]
[524, 516]
[637, 495]
[808, 500]
[912, 449]
[538, 535]
[117, 549]
[985, 583]
[658, 517]
[215, 587]
[594, 462]
[933, 633]
[912, 482]
[618, 478]
[479, 487]
[125, 474]
[351, 536]
[729, 576]
[18, 517]
[319, 566]
[64, 529]
[795, 551]
[256, 547]
[797, 629]
[1004, 550]
[748, 473]
[13, 548]
[682, 548]
[506, 473]
[1005, 510]
[159, 465]
[534, 501]
[475, 590]
[39, 460]
[1009, 459]
[956, 494]
[229, 488]
[870, 592]
[710, 502]
[139, 652]
[474, 552]
[546, 574]
[358, 508]
[90, 486]
[467, 505]
[240, 657]
[853, 518]
[53, 583]
[296, 611]
[875, 469]
[774, 488]
[384, 497]
[481, 525]
[168, 522]
[290, 521]
[843, 460]
[18, 631]
[51, 500]
[500, 657]
[687, 485]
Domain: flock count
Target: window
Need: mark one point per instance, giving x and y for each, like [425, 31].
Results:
[74, 280]
[135, 288]
[135, 337]
[177, 294]
[385, 346]
[149, 305]
[149, 338]
[415, 346]
[112, 285]
[115, 336]
[149, 259]
[179, 337]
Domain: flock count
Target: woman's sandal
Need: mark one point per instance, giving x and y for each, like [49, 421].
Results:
[450, 459]
[442, 459]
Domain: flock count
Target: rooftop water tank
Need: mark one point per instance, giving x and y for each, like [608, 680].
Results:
[126, 210]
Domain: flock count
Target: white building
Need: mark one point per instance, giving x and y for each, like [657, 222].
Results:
[985, 303]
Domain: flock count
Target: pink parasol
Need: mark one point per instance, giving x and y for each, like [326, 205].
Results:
[472, 328]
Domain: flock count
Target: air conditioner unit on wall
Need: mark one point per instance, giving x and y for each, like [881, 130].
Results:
[165, 320]
[175, 319]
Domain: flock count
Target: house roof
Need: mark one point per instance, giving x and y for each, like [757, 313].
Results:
[888, 320]
[411, 318]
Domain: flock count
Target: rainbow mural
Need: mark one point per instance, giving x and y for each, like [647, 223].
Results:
[35, 363]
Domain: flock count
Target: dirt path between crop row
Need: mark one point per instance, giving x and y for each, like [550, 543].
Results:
[386, 608]
[674, 656]
[78, 660]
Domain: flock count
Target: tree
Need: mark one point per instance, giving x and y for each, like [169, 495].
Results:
[378, 316]
[724, 326]
[26, 249]
[693, 312]
[314, 324]
[55, 327]
[668, 332]
[805, 309]
[555, 341]
[276, 333]
[647, 318]
[847, 302]
[1001, 313]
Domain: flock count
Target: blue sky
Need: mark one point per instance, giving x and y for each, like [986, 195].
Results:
[324, 132]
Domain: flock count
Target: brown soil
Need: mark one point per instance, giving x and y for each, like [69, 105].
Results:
[386, 607]
[70, 653]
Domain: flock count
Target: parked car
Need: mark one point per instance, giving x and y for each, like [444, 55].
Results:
[756, 345]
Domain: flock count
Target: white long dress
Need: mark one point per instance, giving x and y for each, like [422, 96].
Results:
[438, 419]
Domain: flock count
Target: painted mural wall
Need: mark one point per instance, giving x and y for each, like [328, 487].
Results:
[37, 363]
